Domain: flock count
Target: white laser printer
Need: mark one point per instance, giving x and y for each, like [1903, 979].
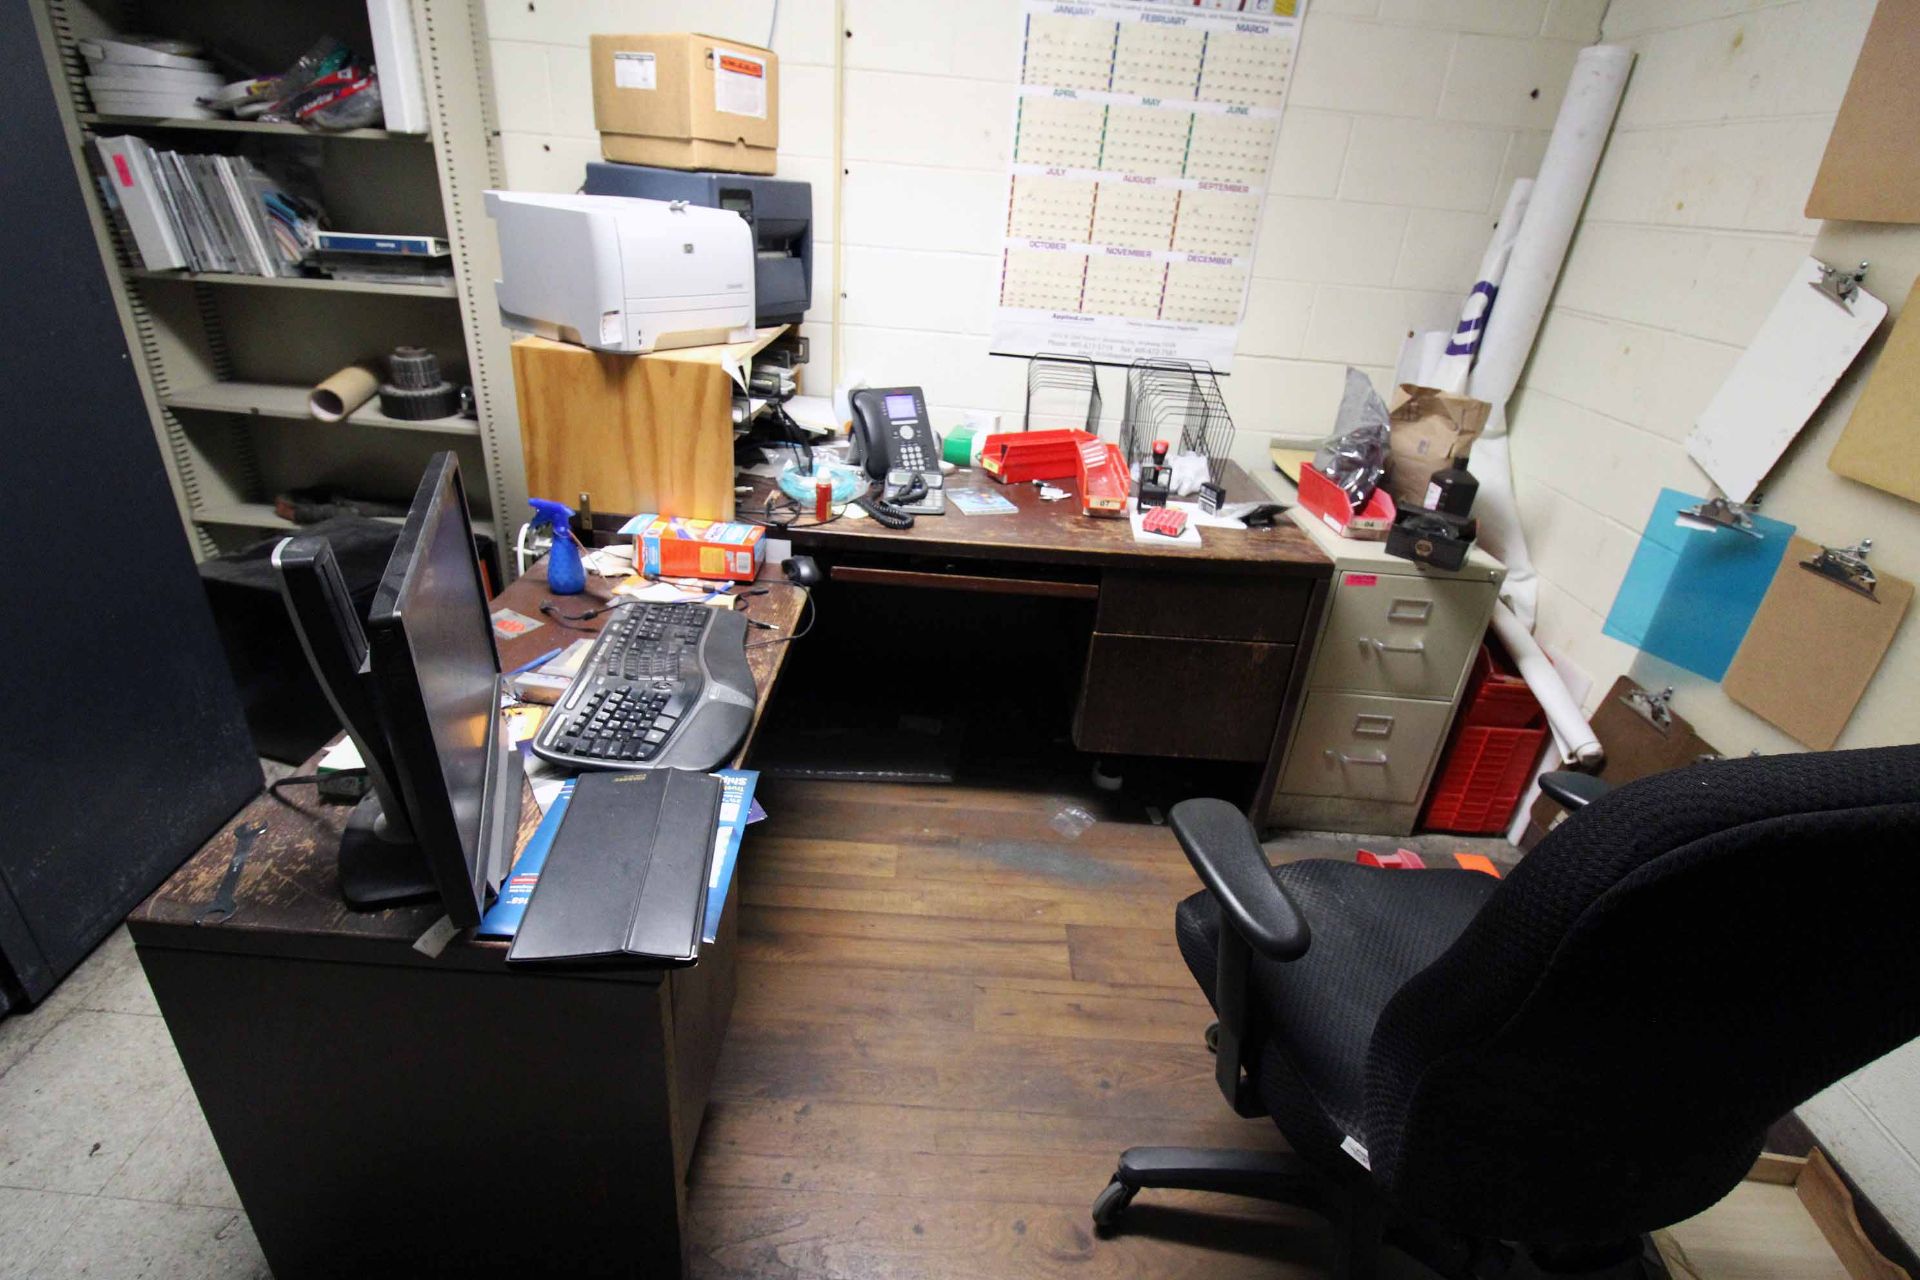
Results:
[618, 274]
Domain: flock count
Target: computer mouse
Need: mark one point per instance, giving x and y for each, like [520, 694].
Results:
[802, 571]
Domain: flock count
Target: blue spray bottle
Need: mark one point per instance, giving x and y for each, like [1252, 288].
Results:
[566, 576]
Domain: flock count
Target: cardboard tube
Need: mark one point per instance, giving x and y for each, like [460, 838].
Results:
[344, 392]
[1539, 250]
[1575, 737]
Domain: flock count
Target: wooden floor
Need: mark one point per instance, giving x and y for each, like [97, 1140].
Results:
[953, 1014]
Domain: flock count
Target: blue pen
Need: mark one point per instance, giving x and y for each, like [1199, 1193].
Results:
[544, 658]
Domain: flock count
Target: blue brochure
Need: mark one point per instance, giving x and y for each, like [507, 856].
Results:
[503, 917]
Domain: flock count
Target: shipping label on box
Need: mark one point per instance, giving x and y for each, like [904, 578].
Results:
[677, 547]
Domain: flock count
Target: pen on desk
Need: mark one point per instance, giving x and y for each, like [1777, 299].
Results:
[548, 656]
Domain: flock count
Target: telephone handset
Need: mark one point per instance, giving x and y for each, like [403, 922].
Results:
[891, 431]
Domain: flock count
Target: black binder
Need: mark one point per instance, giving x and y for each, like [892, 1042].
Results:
[626, 879]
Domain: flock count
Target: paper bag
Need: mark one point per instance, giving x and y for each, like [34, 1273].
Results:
[1429, 430]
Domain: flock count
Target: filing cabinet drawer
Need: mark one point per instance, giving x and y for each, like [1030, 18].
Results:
[1205, 606]
[1200, 699]
[1363, 747]
[1401, 634]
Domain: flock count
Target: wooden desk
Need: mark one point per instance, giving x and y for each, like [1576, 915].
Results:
[1221, 631]
[387, 1113]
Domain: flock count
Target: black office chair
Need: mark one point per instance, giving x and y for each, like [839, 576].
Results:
[1567, 1059]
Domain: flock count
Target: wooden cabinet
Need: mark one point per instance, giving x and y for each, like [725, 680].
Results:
[1389, 666]
[635, 433]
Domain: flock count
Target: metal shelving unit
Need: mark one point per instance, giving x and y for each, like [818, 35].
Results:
[396, 289]
[227, 360]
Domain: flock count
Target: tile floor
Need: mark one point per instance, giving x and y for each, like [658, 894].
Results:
[106, 1167]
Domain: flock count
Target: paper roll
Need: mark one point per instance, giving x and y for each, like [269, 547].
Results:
[344, 392]
[1539, 250]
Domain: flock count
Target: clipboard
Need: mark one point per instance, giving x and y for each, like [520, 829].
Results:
[1813, 647]
[1806, 342]
[1635, 748]
[1880, 445]
[1871, 169]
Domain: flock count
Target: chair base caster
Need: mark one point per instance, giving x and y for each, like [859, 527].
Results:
[1110, 1206]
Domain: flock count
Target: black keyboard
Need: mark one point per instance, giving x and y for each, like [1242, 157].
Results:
[665, 685]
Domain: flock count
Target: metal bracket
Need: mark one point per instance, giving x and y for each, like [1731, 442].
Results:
[1655, 708]
[1848, 567]
[1718, 512]
[1838, 285]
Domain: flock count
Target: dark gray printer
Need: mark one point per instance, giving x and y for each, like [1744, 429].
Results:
[780, 211]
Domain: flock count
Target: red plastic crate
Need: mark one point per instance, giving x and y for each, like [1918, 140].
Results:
[1491, 757]
[1498, 699]
[1481, 779]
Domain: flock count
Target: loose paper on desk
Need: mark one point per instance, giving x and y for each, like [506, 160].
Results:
[1189, 536]
[980, 502]
[1806, 343]
[1144, 138]
[1813, 647]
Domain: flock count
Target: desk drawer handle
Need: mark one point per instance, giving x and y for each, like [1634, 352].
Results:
[1344, 758]
[1381, 646]
[1410, 611]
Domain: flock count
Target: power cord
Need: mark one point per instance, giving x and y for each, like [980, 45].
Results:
[812, 612]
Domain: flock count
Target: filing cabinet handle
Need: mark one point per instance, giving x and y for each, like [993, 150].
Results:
[1409, 610]
[1344, 758]
[1381, 646]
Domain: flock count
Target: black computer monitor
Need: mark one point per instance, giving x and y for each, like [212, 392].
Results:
[418, 689]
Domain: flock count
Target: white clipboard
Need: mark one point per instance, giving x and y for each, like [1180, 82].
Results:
[1807, 342]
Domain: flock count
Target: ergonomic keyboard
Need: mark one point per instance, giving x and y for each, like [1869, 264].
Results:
[665, 685]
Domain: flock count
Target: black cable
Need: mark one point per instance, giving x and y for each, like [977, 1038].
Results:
[552, 611]
[808, 607]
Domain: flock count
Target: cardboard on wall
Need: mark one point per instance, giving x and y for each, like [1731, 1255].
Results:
[682, 100]
[1881, 443]
[1429, 429]
[1871, 169]
[1813, 647]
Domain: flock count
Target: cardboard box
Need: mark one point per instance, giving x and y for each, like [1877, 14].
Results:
[686, 101]
[1429, 429]
[676, 547]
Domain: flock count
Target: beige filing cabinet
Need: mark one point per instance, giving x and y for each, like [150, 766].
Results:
[1396, 642]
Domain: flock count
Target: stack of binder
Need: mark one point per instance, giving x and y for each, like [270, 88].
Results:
[205, 212]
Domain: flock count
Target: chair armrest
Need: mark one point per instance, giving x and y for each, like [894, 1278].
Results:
[1573, 791]
[1223, 848]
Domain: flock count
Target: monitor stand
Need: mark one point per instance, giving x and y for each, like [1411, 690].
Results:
[377, 871]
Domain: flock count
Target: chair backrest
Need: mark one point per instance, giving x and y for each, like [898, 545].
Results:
[1666, 974]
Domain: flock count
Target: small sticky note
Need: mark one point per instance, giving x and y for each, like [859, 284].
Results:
[1477, 862]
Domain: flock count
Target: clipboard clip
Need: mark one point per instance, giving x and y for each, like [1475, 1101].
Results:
[1837, 284]
[1655, 708]
[1848, 567]
[1718, 512]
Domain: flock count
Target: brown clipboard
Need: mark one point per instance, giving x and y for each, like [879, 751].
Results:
[1635, 748]
[1880, 445]
[1813, 647]
[1871, 169]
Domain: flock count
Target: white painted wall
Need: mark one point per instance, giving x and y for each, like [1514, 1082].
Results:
[1691, 231]
[1408, 121]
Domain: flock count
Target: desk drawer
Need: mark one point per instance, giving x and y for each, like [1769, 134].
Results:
[1363, 747]
[1199, 699]
[1263, 607]
[1401, 634]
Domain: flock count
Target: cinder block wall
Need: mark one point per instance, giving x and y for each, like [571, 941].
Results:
[1408, 121]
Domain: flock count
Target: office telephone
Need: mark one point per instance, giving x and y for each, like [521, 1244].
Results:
[891, 431]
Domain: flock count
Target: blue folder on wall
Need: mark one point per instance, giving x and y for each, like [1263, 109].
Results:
[1690, 593]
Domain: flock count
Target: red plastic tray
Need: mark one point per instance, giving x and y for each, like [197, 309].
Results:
[1013, 457]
